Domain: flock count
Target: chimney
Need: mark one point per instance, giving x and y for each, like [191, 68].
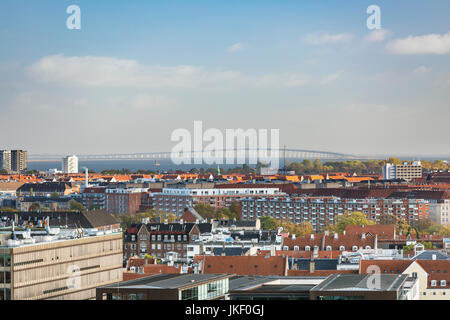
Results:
[326, 232]
[165, 221]
[181, 221]
[433, 257]
[293, 237]
[363, 236]
[312, 266]
[344, 232]
[312, 236]
[336, 235]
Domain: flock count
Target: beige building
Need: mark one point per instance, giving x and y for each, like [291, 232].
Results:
[403, 171]
[433, 278]
[57, 268]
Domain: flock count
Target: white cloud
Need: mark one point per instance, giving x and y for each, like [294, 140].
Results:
[325, 38]
[426, 44]
[237, 47]
[379, 35]
[330, 78]
[422, 69]
[284, 80]
[91, 71]
[145, 101]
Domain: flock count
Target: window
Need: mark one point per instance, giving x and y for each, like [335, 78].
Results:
[443, 283]
[433, 283]
[329, 248]
[307, 248]
[341, 248]
[296, 248]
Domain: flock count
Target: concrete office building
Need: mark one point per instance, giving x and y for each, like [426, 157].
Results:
[404, 171]
[52, 263]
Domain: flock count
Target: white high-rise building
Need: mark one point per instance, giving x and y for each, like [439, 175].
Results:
[70, 164]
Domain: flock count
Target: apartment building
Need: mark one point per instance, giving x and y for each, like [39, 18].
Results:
[320, 211]
[5, 160]
[70, 164]
[162, 239]
[174, 200]
[94, 197]
[124, 201]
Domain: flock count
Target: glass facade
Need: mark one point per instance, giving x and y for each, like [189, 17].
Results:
[205, 291]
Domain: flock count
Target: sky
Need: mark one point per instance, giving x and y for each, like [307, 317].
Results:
[138, 70]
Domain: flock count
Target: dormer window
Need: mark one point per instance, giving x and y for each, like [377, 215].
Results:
[355, 248]
[286, 248]
[307, 248]
[329, 248]
[341, 248]
[433, 283]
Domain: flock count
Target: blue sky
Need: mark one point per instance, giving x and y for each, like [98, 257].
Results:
[137, 70]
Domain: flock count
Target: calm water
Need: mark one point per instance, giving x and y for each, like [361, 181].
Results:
[133, 165]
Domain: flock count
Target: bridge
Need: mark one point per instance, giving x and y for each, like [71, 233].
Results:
[225, 153]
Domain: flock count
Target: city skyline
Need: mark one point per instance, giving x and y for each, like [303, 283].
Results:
[137, 71]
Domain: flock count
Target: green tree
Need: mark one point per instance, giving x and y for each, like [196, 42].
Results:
[269, 223]
[355, 218]
[76, 206]
[54, 194]
[206, 211]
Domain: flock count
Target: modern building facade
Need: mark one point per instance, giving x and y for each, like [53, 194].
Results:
[119, 201]
[175, 200]
[320, 211]
[70, 164]
[19, 160]
[51, 267]
[404, 171]
[168, 287]
[5, 160]
[13, 160]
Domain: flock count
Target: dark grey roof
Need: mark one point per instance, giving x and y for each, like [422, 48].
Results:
[45, 187]
[319, 264]
[205, 227]
[170, 227]
[168, 281]
[46, 199]
[428, 255]
[359, 282]
[230, 251]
